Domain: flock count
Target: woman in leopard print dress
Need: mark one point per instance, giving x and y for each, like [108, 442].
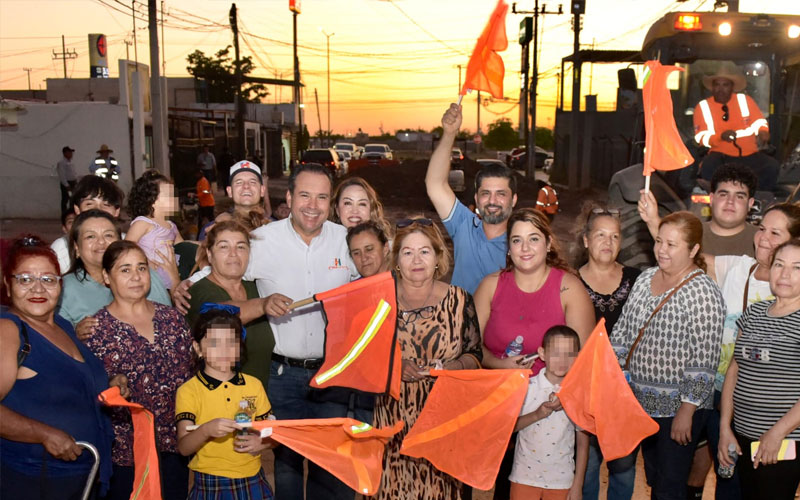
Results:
[437, 327]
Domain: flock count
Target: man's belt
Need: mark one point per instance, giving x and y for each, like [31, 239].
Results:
[309, 364]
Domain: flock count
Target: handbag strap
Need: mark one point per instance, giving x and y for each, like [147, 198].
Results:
[658, 308]
[25, 347]
[747, 285]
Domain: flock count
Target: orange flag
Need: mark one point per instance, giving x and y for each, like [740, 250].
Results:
[485, 70]
[466, 423]
[599, 400]
[146, 480]
[350, 450]
[664, 148]
[361, 350]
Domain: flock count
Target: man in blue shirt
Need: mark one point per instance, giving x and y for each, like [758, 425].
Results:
[479, 242]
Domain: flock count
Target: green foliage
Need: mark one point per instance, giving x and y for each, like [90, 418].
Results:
[545, 138]
[501, 136]
[219, 74]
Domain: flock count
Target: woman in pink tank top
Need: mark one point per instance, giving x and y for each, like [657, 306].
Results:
[535, 291]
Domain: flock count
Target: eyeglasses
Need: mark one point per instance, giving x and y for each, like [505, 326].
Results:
[725, 115]
[611, 212]
[412, 316]
[26, 280]
[422, 221]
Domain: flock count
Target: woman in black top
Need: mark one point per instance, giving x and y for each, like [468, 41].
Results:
[608, 283]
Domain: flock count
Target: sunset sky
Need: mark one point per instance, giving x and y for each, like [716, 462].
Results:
[393, 62]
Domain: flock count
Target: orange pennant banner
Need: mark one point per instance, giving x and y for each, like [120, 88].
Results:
[598, 399]
[361, 350]
[146, 479]
[350, 450]
[467, 421]
[485, 70]
[664, 148]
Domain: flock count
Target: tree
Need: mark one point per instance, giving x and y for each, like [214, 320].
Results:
[501, 135]
[544, 138]
[219, 76]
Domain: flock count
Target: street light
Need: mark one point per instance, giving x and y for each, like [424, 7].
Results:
[328, 39]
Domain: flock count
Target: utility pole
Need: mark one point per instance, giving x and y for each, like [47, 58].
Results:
[28, 70]
[64, 55]
[530, 143]
[160, 158]
[238, 98]
[128, 44]
[163, 43]
[297, 104]
[578, 8]
[135, 45]
[328, 39]
[319, 120]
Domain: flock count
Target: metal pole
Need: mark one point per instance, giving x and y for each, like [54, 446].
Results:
[576, 105]
[64, 51]
[523, 96]
[298, 110]
[160, 158]
[532, 99]
[135, 45]
[238, 98]
[28, 70]
[328, 39]
[163, 43]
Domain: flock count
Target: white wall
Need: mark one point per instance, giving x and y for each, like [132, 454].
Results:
[30, 151]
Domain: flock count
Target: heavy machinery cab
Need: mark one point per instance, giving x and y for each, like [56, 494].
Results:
[766, 48]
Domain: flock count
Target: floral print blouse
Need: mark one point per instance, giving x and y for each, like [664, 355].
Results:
[154, 370]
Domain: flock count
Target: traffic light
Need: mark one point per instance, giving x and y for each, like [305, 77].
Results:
[578, 6]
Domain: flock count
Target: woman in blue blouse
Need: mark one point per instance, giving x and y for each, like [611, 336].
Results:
[49, 382]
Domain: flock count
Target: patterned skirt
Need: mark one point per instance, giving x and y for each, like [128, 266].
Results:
[210, 487]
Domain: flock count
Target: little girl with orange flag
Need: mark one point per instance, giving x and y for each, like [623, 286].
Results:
[210, 408]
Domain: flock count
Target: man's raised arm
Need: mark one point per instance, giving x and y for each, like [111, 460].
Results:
[439, 191]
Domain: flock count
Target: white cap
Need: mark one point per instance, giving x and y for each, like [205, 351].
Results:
[244, 166]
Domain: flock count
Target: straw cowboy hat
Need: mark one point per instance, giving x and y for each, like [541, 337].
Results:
[104, 148]
[730, 72]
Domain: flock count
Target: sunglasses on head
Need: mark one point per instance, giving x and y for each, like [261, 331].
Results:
[725, 114]
[422, 221]
[611, 212]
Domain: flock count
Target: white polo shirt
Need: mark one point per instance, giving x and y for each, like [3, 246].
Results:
[281, 262]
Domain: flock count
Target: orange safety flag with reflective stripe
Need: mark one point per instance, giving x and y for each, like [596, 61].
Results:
[547, 200]
[361, 350]
[664, 148]
[146, 478]
[598, 399]
[350, 450]
[485, 70]
[466, 423]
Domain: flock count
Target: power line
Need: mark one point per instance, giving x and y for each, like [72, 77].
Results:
[424, 29]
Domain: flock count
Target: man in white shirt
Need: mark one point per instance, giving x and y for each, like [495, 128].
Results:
[66, 176]
[293, 259]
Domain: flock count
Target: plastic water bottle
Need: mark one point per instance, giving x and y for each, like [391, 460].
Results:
[243, 415]
[514, 347]
[726, 471]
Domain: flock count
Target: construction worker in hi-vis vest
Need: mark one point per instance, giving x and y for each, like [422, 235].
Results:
[730, 124]
[105, 165]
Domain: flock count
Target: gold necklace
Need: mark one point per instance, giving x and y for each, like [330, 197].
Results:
[407, 303]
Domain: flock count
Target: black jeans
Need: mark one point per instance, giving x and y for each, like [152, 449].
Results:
[777, 481]
[174, 470]
[765, 167]
[42, 487]
[667, 463]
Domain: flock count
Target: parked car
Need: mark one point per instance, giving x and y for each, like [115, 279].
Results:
[349, 147]
[381, 151]
[456, 157]
[519, 158]
[489, 161]
[325, 157]
[344, 160]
